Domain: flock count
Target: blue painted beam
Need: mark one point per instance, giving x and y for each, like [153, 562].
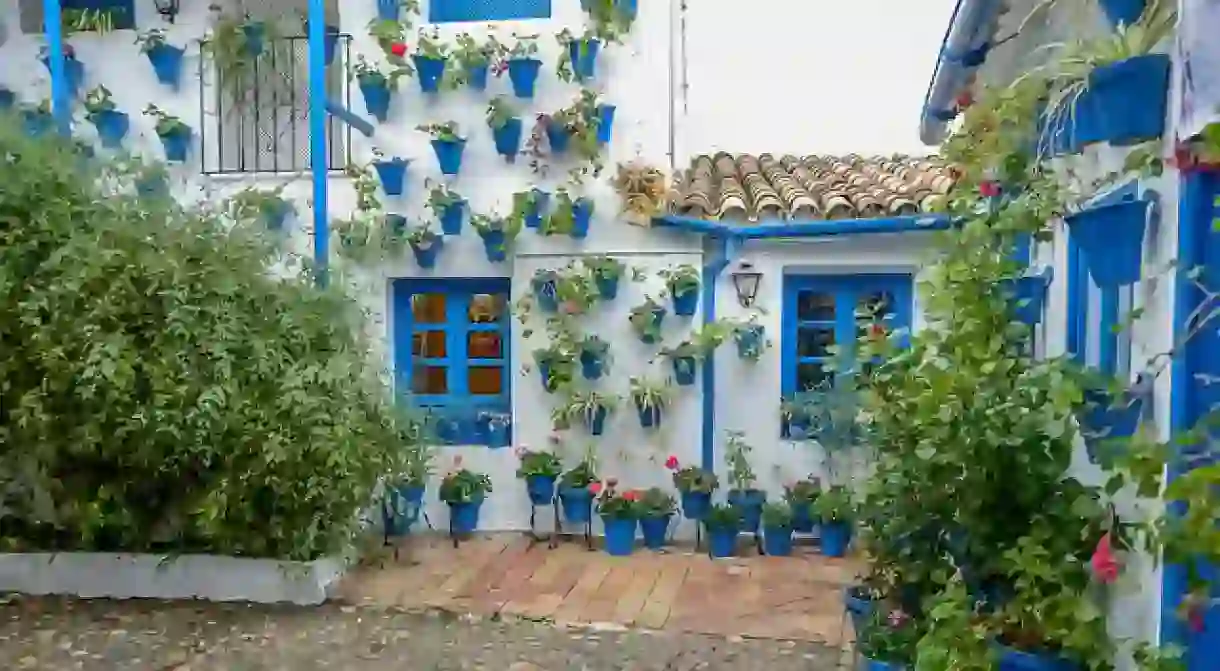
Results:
[61, 105]
[350, 118]
[317, 136]
[806, 229]
[723, 252]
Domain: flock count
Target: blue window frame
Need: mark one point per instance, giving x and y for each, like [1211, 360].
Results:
[452, 352]
[451, 11]
[822, 311]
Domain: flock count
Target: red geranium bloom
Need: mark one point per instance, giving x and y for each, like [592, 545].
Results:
[632, 495]
[989, 189]
[965, 99]
[398, 49]
[671, 463]
[1104, 563]
[595, 488]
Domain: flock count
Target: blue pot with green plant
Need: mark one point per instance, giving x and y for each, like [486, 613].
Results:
[393, 175]
[656, 509]
[582, 214]
[577, 487]
[387, 10]
[683, 284]
[426, 245]
[544, 285]
[620, 517]
[464, 491]
[523, 75]
[583, 56]
[401, 505]
[430, 70]
[540, 470]
[555, 367]
[650, 399]
[722, 524]
[558, 136]
[800, 496]
[594, 354]
[835, 508]
[605, 123]
[695, 486]
[750, 340]
[536, 207]
[743, 495]
[496, 234]
[646, 321]
[448, 146]
[166, 59]
[607, 272]
[888, 639]
[776, 523]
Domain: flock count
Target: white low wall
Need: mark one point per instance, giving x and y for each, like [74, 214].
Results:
[209, 577]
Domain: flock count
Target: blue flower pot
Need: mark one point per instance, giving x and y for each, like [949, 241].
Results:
[629, 8]
[596, 422]
[177, 145]
[7, 99]
[592, 366]
[152, 186]
[684, 370]
[1108, 419]
[275, 215]
[658, 316]
[523, 74]
[750, 503]
[508, 138]
[1112, 238]
[749, 341]
[650, 417]
[777, 541]
[451, 217]
[329, 41]
[400, 509]
[605, 123]
[874, 665]
[393, 175]
[549, 385]
[495, 246]
[802, 519]
[722, 542]
[430, 71]
[835, 538]
[582, 214]
[166, 61]
[620, 536]
[498, 435]
[74, 73]
[376, 98]
[449, 155]
[396, 223]
[1125, 12]
[544, 293]
[1017, 660]
[607, 287]
[859, 607]
[387, 10]
[583, 54]
[1130, 97]
[1029, 295]
[655, 530]
[464, 517]
[112, 127]
[426, 256]
[686, 304]
[558, 137]
[533, 218]
[541, 489]
[695, 504]
[476, 77]
[577, 504]
[255, 34]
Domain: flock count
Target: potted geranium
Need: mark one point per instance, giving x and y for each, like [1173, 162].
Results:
[834, 509]
[888, 640]
[619, 514]
[577, 487]
[776, 521]
[464, 490]
[403, 492]
[695, 486]
[540, 470]
[800, 496]
[656, 509]
[742, 493]
[723, 523]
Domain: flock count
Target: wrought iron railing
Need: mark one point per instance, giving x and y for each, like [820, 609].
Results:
[256, 117]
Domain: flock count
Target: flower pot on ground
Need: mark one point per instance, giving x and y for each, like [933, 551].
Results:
[835, 509]
[166, 59]
[656, 509]
[426, 245]
[376, 87]
[695, 486]
[742, 493]
[393, 174]
[577, 487]
[776, 522]
[1112, 238]
[594, 357]
[800, 496]
[650, 399]
[112, 125]
[620, 515]
[464, 491]
[683, 285]
[646, 321]
[540, 470]
[448, 145]
[495, 429]
[888, 640]
[497, 234]
[723, 524]
[400, 507]
[750, 339]
[556, 364]
[175, 135]
[607, 273]
[506, 128]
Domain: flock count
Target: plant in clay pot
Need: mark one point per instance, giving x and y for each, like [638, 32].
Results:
[650, 399]
[540, 470]
[683, 285]
[656, 509]
[607, 272]
[594, 357]
[742, 492]
[642, 191]
[695, 486]
[646, 320]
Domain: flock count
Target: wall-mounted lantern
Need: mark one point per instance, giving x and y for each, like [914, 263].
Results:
[168, 9]
[746, 281]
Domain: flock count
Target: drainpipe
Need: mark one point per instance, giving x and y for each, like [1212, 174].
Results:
[60, 105]
[317, 135]
[963, 49]
[723, 250]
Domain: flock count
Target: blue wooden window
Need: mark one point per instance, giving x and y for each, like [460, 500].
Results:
[122, 12]
[824, 311]
[451, 351]
[449, 11]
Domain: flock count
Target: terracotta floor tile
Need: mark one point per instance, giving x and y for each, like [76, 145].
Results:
[578, 598]
[601, 607]
[645, 572]
[466, 568]
[664, 592]
[512, 584]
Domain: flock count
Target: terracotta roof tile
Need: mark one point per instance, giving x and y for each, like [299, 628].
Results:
[750, 188]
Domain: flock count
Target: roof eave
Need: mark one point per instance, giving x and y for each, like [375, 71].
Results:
[805, 229]
[962, 50]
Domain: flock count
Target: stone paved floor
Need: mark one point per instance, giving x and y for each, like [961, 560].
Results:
[795, 598]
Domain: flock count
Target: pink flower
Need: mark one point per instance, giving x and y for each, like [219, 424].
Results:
[1104, 563]
[457, 461]
[671, 463]
[897, 618]
[595, 488]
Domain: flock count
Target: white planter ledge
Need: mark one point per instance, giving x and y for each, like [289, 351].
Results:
[208, 577]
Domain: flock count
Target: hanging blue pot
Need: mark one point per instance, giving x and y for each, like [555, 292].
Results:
[400, 508]
[1106, 418]
[592, 365]
[650, 417]
[750, 503]
[431, 71]
[1112, 238]
[620, 535]
[1018, 660]
[166, 63]
[658, 315]
[607, 286]
[1055, 133]
[329, 41]
[654, 530]
[582, 214]
[541, 489]
[558, 136]
[583, 54]
[523, 74]
[496, 434]
[397, 224]
[1130, 98]
[495, 245]
[393, 175]
[551, 379]
[448, 431]
[426, 255]
[276, 214]
[177, 144]
[255, 34]
[605, 123]
[533, 218]
[376, 93]
[7, 99]
[577, 504]
[777, 541]
[1029, 296]
[1125, 12]
[112, 127]
[722, 541]
[464, 517]
[449, 155]
[684, 370]
[476, 76]
[387, 10]
[628, 8]
[544, 293]
[37, 124]
[802, 517]
[835, 538]
[508, 138]
[595, 422]
[859, 606]
[695, 505]
[875, 665]
[749, 341]
[685, 304]
[74, 73]
[451, 217]
[152, 186]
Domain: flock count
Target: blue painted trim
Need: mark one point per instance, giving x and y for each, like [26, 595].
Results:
[963, 48]
[317, 138]
[806, 229]
[61, 106]
[1107, 343]
[722, 254]
[452, 11]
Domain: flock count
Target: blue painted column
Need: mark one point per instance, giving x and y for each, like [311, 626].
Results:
[61, 104]
[723, 249]
[317, 136]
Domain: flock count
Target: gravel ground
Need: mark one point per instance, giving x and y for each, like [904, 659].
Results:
[47, 633]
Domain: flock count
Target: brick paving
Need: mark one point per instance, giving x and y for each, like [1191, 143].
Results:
[795, 598]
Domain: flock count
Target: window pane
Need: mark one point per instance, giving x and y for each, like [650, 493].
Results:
[810, 376]
[485, 380]
[430, 344]
[486, 308]
[428, 308]
[876, 305]
[815, 306]
[484, 345]
[814, 341]
[429, 380]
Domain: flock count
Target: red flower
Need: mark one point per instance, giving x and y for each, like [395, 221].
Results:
[965, 99]
[595, 488]
[989, 189]
[632, 495]
[398, 49]
[877, 331]
[671, 463]
[610, 482]
[1104, 563]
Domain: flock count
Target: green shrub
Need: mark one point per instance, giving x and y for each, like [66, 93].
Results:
[163, 389]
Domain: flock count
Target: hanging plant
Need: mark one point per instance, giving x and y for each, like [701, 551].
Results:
[544, 285]
[578, 55]
[556, 365]
[646, 321]
[448, 207]
[570, 132]
[591, 408]
[430, 57]
[391, 36]
[532, 205]
[238, 49]
[473, 59]
[683, 285]
[506, 128]
[569, 217]
[267, 206]
[498, 234]
[175, 135]
[751, 340]
[650, 399]
[616, 15]
[426, 244]
[392, 172]
[448, 145]
[606, 273]
[522, 64]
[166, 59]
[74, 69]
[641, 190]
[576, 291]
[685, 357]
[377, 87]
[365, 186]
[112, 125]
[594, 357]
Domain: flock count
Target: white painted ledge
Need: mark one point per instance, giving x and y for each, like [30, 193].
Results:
[208, 577]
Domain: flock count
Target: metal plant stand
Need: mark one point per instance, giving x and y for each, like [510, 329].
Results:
[557, 528]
